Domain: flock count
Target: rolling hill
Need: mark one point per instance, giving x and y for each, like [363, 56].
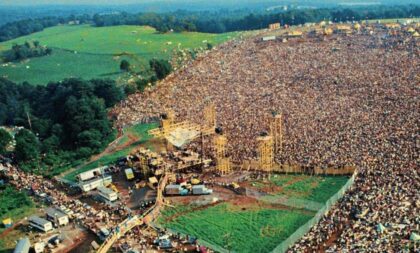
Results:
[91, 52]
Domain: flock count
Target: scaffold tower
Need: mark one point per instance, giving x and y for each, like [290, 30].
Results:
[266, 153]
[222, 162]
[169, 120]
[210, 116]
[277, 132]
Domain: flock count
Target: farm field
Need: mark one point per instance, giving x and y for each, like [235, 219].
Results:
[93, 52]
[236, 228]
[132, 138]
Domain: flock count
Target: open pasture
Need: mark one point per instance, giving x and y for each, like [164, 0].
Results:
[96, 52]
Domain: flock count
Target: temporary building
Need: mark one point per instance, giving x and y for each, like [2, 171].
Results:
[41, 224]
[23, 246]
[57, 216]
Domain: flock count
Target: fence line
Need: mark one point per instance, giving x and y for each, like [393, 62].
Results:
[300, 232]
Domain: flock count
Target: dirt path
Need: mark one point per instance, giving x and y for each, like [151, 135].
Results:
[113, 147]
[8, 230]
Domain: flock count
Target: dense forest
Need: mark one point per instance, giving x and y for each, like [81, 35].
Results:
[213, 21]
[63, 121]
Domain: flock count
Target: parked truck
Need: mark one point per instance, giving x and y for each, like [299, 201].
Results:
[176, 189]
[201, 190]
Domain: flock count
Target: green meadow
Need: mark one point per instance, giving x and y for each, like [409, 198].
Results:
[96, 52]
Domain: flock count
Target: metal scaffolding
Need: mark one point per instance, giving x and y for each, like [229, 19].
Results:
[210, 116]
[266, 153]
[168, 121]
[276, 128]
[222, 162]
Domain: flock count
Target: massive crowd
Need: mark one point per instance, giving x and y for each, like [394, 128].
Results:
[347, 100]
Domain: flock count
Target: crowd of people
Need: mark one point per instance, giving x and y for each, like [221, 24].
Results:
[105, 216]
[345, 100]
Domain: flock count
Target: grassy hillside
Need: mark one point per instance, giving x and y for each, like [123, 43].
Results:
[92, 52]
[132, 138]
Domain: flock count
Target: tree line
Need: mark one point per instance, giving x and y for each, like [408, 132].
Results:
[228, 21]
[63, 121]
[27, 50]
[212, 21]
[24, 27]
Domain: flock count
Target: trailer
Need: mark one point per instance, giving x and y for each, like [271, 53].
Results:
[23, 246]
[58, 217]
[40, 223]
[201, 190]
[95, 183]
[107, 194]
[175, 189]
[87, 175]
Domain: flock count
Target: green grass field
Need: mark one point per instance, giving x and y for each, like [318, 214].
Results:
[90, 52]
[235, 228]
[123, 147]
[313, 188]
[259, 226]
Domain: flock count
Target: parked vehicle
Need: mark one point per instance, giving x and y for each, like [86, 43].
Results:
[176, 189]
[201, 190]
